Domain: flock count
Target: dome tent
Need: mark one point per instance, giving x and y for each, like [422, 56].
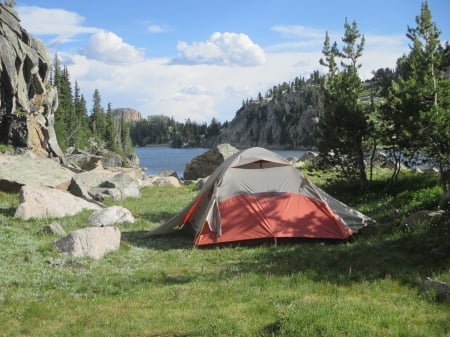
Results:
[257, 194]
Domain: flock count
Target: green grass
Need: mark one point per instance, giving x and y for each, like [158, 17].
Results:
[370, 286]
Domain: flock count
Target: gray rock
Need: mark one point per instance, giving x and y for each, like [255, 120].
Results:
[421, 217]
[161, 181]
[309, 156]
[205, 164]
[79, 162]
[84, 181]
[126, 184]
[100, 184]
[43, 202]
[168, 173]
[19, 170]
[92, 242]
[109, 216]
[27, 98]
[109, 159]
[54, 228]
[102, 193]
[439, 288]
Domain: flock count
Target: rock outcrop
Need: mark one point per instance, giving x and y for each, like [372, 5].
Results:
[287, 121]
[100, 184]
[128, 114]
[28, 169]
[27, 100]
[205, 164]
[161, 181]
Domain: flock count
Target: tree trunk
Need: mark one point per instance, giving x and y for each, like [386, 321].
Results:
[364, 183]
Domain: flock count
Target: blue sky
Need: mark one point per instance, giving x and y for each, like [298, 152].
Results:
[200, 59]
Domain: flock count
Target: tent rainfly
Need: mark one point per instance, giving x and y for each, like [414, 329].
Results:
[257, 194]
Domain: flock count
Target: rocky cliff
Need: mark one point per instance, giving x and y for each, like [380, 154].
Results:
[130, 115]
[286, 121]
[27, 100]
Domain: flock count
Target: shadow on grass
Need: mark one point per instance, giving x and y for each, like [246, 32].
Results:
[378, 252]
[157, 217]
[8, 212]
[407, 257]
[166, 242]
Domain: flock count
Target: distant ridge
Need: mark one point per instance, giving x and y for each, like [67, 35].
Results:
[130, 115]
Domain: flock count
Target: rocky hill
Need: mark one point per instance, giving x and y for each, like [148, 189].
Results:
[287, 120]
[27, 100]
[130, 115]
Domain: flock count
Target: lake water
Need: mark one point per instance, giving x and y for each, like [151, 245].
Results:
[156, 159]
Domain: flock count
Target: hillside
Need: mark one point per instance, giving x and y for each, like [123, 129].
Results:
[285, 118]
[280, 123]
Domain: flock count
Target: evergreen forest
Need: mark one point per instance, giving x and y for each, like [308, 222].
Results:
[77, 127]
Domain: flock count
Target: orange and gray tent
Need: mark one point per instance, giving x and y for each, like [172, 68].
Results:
[257, 194]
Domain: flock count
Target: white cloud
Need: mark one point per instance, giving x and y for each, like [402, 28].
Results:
[381, 52]
[298, 38]
[221, 49]
[200, 93]
[62, 24]
[229, 67]
[296, 31]
[155, 28]
[194, 90]
[110, 48]
[182, 91]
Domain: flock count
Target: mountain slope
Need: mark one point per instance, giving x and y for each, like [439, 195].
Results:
[286, 120]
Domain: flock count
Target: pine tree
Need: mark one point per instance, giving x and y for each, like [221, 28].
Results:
[213, 129]
[66, 99]
[127, 146]
[343, 124]
[82, 126]
[98, 119]
[64, 113]
[423, 94]
[111, 132]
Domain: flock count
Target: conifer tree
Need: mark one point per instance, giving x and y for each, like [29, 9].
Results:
[66, 102]
[64, 113]
[98, 120]
[82, 126]
[343, 124]
[127, 146]
[111, 132]
[421, 95]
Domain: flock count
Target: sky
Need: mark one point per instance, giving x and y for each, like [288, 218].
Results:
[200, 59]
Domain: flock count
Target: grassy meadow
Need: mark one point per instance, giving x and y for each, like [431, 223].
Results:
[369, 286]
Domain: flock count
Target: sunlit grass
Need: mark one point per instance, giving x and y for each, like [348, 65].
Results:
[370, 286]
